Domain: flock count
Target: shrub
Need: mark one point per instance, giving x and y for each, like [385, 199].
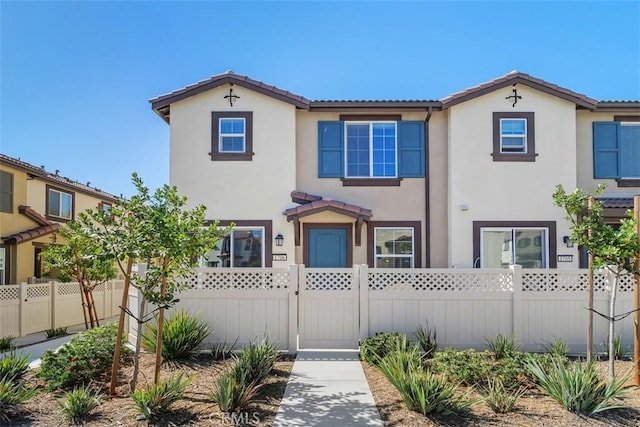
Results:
[6, 343]
[79, 402]
[503, 346]
[255, 362]
[579, 387]
[86, 356]
[57, 332]
[182, 335]
[618, 350]
[12, 395]
[422, 391]
[233, 391]
[221, 350]
[155, 400]
[14, 366]
[558, 348]
[427, 340]
[500, 399]
[378, 346]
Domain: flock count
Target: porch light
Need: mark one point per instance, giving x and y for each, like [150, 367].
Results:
[567, 241]
[279, 239]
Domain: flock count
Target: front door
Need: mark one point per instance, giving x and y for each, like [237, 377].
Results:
[328, 246]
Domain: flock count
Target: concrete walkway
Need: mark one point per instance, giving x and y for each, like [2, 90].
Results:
[327, 388]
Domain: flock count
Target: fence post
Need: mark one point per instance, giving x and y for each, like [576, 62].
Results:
[21, 296]
[364, 302]
[54, 293]
[516, 307]
[293, 308]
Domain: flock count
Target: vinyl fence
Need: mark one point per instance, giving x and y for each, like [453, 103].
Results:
[465, 307]
[29, 308]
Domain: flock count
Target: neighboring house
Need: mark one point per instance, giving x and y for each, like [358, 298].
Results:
[465, 181]
[34, 204]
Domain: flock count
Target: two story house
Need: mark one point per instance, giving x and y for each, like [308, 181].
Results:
[34, 204]
[464, 181]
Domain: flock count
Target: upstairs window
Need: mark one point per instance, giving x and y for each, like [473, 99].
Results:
[231, 135]
[59, 204]
[6, 192]
[371, 149]
[616, 150]
[513, 137]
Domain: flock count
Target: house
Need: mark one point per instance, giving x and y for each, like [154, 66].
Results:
[464, 181]
[34, 204]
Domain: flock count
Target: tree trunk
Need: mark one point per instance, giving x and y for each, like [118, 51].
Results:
[636, 298]
[163, 293]
[84, 306]
[590, 293]
[89, 298]
[118, 348]
[136, 357]
[612, 312]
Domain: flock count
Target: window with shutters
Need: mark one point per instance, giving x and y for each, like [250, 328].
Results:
[6, 192]
[371, 152]
[616, 150]
[514, 137]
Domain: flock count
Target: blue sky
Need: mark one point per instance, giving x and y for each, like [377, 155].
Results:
[76, 77]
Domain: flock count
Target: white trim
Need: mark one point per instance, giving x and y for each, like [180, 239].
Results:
[411, 256]
[523, 147]
[513, 230]
[61, 193]
[234, 135]
[370, 147]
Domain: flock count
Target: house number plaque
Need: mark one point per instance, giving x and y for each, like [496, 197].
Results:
[279, 257]
[565, 258]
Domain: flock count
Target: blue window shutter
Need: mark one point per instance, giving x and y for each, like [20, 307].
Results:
[605, 150]
[411, 149]
[330, 149]
[629, 148]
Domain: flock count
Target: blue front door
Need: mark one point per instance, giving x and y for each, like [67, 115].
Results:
[327, 247]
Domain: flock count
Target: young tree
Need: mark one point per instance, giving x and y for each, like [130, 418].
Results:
[613, 248]
[81, 259]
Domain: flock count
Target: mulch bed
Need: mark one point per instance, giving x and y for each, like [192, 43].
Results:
[533, 409]
[195, 409]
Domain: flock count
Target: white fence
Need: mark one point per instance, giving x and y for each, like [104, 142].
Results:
[465, 307]
[28, 308]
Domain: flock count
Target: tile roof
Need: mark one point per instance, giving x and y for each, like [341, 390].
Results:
[161, 104]
[316, 204]
[55, 178]
[616, 202]
[515, 77]
[44, 227]
[33, 215]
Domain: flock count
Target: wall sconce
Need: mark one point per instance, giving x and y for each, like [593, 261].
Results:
[567, 241]
[279, 239]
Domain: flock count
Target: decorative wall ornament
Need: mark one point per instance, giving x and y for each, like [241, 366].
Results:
[515, 96]
[231, 97]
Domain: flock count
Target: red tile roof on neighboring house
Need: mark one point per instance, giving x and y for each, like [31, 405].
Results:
[161, 104]
[45, 227]
[616, 202]
[316, 204]
[516, 77]
[56, 179]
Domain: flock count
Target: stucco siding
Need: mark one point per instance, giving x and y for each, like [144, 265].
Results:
[15, 222]
[438, 189]
[237, 190]
[485, 190]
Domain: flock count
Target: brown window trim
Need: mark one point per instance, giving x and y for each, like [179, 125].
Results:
[215, 136]
[551, 225]
[370, 117]
[305, 246]
[530, 155]
[626, 118]
[73, 204]
[7, 263]
[625, 182]
[371, 182]
[11, 178]
[268, 234]
[417, 235]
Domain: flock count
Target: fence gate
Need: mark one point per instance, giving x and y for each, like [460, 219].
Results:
[36, 308]
[329, 308]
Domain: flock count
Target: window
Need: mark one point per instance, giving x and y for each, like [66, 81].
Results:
[3, 266]
[106, 207]
[513, 137]
[59, 204]
[394, 247]
[6, 192]
[501, 247]
[231, 135]
[244, 247]
[616, 150]
[371, 149]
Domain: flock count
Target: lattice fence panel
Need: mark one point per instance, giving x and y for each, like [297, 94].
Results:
[554, 281]
[626, 283]
[238, 280]
[38, 291]
[439, 281]
[9, 293]
[100, 288]
[68, 289]
[329, 281]
[118, 285]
